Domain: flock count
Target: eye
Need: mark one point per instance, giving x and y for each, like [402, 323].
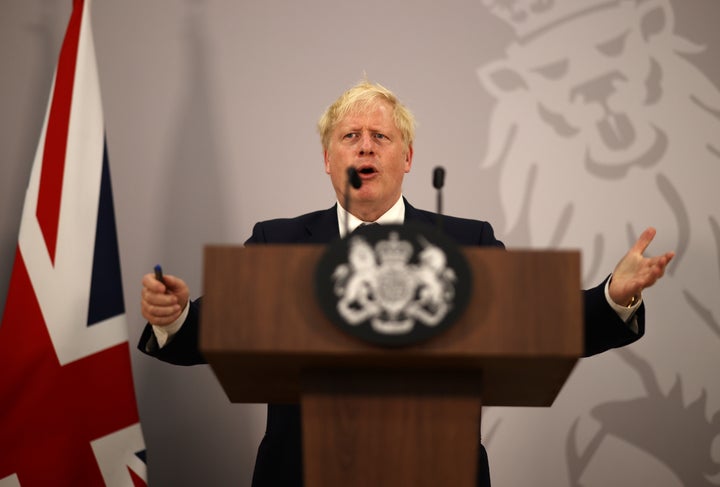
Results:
[555, 70]
[614, 47]
[380, 136]
[350, 135]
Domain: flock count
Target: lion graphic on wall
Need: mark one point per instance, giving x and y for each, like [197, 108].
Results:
[611, 129]
[603, 125]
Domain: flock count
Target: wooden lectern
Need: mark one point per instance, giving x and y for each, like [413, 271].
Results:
[378, 416]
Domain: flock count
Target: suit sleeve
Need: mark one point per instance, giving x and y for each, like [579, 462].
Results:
[604, 329]
[183, 347]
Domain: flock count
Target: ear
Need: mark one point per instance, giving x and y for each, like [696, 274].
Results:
[655, 18]
[326, 160]
[408, 158]
[500, 78]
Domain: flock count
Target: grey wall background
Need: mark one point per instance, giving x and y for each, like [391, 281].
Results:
[576, 136]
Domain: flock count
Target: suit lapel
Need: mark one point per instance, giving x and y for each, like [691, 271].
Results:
[413, 215]
[324, 228]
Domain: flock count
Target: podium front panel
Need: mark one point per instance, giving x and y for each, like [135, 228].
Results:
[261, 327]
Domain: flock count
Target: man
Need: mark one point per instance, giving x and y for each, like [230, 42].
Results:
[369, 129]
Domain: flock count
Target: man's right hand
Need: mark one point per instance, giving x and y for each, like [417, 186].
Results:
[162, 304]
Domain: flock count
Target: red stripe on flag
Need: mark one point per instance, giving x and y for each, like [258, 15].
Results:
[137, 480]
[50, 413]
[53, 165]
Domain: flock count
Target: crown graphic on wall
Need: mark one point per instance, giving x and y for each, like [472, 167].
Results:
[528, 17]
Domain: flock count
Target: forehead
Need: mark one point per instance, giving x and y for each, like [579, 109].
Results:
[375, 114]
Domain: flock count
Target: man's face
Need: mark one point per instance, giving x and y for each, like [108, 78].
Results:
[369, 141]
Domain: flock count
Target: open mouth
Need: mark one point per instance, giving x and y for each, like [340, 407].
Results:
[366, 170]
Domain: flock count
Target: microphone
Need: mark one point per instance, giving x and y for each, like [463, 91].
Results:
[438, 182]
[353, 180]
[438, 177]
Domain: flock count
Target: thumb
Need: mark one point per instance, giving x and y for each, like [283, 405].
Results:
[175, 285]
[644, 240]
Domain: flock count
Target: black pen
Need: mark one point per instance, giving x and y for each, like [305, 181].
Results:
[159, 274]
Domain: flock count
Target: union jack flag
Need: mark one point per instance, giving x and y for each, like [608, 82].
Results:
[68, 415]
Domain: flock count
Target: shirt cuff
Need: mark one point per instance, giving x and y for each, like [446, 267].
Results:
[163, 334]
[626, 313]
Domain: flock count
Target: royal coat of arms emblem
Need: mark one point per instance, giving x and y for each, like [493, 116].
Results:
[393, 285]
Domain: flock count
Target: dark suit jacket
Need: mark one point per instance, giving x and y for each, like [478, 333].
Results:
[279, 459]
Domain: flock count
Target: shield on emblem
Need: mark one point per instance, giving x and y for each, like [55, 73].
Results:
[393, 289]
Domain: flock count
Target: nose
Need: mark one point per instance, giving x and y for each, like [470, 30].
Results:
[366, 144]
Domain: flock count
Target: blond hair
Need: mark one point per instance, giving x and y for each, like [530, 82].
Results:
[361, 96]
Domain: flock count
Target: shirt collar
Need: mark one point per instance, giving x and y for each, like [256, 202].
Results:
[394, 216]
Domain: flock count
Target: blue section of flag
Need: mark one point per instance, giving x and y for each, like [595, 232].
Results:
[142, 455]
[106, 292]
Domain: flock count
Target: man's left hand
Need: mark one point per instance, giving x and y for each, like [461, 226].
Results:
[636, 272]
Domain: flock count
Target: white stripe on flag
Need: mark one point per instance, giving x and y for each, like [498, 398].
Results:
[65, 314]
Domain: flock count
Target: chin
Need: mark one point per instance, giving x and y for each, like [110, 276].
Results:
[366, 195]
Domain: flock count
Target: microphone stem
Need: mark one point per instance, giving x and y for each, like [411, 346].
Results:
[347, 208]
[439, 208]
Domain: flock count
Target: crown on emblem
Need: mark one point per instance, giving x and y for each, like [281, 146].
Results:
[527, 17]
[394, 251]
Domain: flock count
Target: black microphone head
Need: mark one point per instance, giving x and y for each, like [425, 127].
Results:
[354, 178]
[438, 177]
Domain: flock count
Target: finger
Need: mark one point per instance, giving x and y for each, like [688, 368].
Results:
[158, 299]
[654, 271]
[174, 284]
[645, 238]
[160, 315]
[149, 282]
[161, 311]
[661, 262]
